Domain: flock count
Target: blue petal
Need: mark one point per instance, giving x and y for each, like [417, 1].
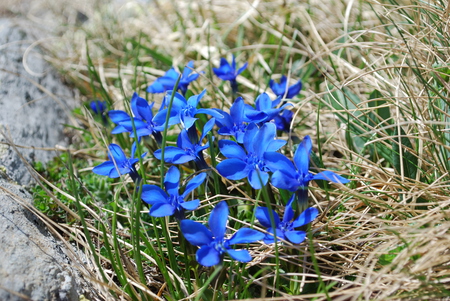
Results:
[117, 153]
[152, 194]
[288, 211]
[144, 109]
[208, 127]
[330, 176]
[263, 138]
[218, 220]
[118, 116]
[171, 153]
[295, 237]
[263, 215]
[210, 112]
[249, 136]
[245, 236]
[138, 124]
[256, 116]
[239, 255]
[187, 121]
[275, 145]
[285, 181]
[306, 217]
[263, 102]
[194, 183]
[172, 180]
[301, 156]
[294, 90]
[188, 69]
[104, 169]
[237, 110]
[233, 169]
[231, 149]
[208, 256]
[167, 82]
[195, 99]
[119, 129]
[195, 233]
[258, 179]
[156, 87]
[242, 69]
[162, 209]
[192, 205]
[276, 161]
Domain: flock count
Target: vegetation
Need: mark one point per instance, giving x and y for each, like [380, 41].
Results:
[374, 103]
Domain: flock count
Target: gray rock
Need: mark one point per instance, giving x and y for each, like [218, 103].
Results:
[32, 262]
[34, 103]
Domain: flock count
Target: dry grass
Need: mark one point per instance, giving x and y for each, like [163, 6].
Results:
[348, 44]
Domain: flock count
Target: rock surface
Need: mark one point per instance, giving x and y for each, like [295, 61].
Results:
[34, 105]
[33, 263]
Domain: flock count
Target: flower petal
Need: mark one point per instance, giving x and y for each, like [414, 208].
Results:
[239, 255]
[276, 161]
[195, 233]
[288, 211]
[233, 169]
[263, 215]
[194, 183]
[118, 116]
[152, 194]
[208, 256]
[330, 176]
[162, 209]
[301, 156]
[192, 205]
[285, 181]
[231, 149]
[218, 220]
[104, 169]
[258, 179]
[295, 237]
[245, 236]
[306, 217]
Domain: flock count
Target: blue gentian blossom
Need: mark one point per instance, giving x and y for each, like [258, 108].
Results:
[228, 72]
[143, 120]
[280, 89]
[212, 242]
[285, 228]
[283, 120]
[171, 202]
[118, 163]
[294, 176]
[184, 111]
[168, 81]
[250, 162]
[233, 123]
[186, 150]
[265, 109]
[97, 106]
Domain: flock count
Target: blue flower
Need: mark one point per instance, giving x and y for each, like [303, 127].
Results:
[186, 150]
[97, 106]
[143, 120]
[250, 162]
[235, 122]
[118, 163]
[283, 120]
[296, 176]
[229, 72]
[213, 244]
[168, 81]
[170, 202]
[285, 229]
[281, 89]
[265, 109]
[184, 111]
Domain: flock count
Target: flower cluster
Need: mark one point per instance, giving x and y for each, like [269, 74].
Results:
[251, 151]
